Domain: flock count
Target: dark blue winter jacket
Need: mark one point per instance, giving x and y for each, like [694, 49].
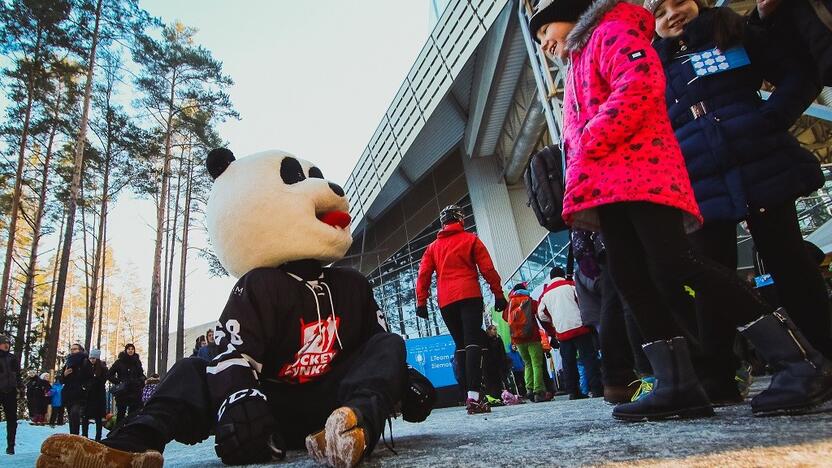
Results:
[739, 154]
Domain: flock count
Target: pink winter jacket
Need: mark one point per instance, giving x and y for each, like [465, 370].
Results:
[618, 140]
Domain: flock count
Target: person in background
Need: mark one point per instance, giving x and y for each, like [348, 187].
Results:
[459, 258]
[496, 363]
[36, 400]
[623, 363]
[77, 373]
[520, 316]
[626, 175]
[210, 350]
[559, 306]
[56, 393]
[744, 165]
[96, 394]
[518, 371]
[11, 383]
[149, 387]
[199, 344]
[127, 376]
[806, 25]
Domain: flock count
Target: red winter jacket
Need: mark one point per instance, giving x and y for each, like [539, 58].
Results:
[617, 135]
[456, 256]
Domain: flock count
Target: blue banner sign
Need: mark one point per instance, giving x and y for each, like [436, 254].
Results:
[432, 356]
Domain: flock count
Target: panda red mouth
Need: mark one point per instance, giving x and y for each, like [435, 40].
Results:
[336, 219]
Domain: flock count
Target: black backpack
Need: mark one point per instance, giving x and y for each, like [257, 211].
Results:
[544, 185]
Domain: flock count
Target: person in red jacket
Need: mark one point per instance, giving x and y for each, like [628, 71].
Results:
[458, 258]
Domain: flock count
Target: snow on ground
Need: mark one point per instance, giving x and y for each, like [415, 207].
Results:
[564, 433]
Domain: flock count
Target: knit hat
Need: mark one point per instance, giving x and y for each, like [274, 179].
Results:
[554, 11]
[653, 5]
[95, 353]
[44, 376]
[4, 339]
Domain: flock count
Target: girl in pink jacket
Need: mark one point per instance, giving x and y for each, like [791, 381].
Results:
[626, 177]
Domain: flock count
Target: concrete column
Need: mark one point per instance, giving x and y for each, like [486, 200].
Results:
[493, 213]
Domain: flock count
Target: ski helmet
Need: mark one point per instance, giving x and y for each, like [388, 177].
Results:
[451, 214]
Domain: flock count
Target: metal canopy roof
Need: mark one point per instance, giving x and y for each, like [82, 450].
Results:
[428, 114]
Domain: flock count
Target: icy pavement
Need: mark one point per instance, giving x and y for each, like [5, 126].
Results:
[563, 433]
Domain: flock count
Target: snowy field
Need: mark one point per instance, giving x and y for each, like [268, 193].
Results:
[558, 433]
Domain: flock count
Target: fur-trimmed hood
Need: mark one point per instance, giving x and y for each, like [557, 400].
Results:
[580, 34]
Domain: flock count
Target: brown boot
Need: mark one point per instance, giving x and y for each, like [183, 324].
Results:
[617, 394]
[342, 442]
[66, 450]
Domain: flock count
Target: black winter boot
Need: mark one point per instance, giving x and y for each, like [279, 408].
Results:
[720, 382]
[803, 377]
[677, 392]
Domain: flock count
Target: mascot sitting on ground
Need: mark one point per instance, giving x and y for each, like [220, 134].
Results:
[305, 358]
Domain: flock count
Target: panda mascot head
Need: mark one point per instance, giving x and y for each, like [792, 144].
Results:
[271, 208]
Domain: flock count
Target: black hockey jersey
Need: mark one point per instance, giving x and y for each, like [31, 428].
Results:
[281, 329]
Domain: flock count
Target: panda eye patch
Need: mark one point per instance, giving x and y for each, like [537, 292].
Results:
[316, 173]
[291, 171]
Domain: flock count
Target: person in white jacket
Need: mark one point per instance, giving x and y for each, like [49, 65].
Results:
[558, 307]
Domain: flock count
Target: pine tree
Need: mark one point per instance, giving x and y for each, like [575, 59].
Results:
[177, 77]
[32, 34]
[99, 22]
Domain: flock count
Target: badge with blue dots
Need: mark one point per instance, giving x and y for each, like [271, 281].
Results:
[711, 62]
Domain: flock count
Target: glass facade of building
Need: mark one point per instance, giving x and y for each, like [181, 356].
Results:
[816, 209]
[552, 250]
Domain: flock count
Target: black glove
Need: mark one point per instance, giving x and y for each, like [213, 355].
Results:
[500, 303]
[418, 398]
[246, 431]
[422, 312]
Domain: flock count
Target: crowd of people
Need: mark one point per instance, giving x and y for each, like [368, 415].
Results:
[668, 145]
[654, 210]
[78, 392]
[78, 389]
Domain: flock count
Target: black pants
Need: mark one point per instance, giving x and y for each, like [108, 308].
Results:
[651, 260]
[85, 428]
[8, 401]
[582, 345]
[464, 321]
[714, 357]
[621, 351]
[57, 416]
[371, 381]
[797, 277]
[495, 373]
[126, 408]
[76, 413]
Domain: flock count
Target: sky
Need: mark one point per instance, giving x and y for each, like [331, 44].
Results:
[311, 78]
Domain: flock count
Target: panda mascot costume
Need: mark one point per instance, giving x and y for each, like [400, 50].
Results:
[305, 359]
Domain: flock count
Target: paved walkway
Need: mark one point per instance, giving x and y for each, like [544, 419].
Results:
[563, 433]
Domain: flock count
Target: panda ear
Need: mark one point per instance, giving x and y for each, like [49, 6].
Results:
[218, 160]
